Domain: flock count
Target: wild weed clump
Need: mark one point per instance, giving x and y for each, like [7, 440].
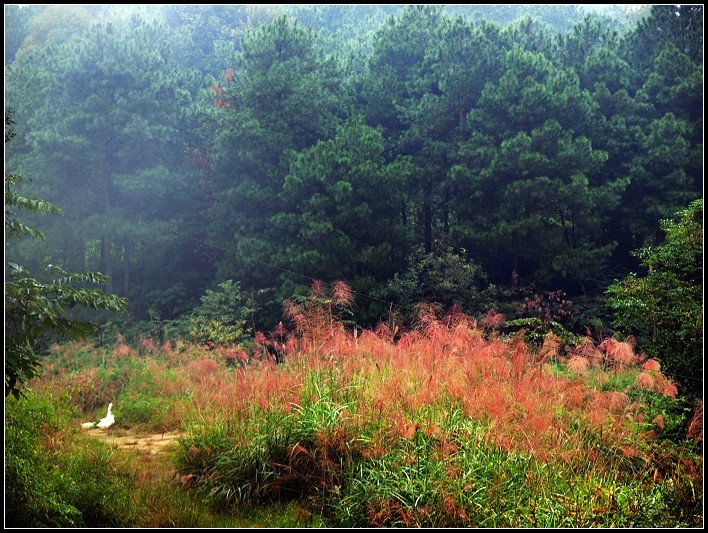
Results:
[272, 453]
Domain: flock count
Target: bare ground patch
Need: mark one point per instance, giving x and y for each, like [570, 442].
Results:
[147, 444]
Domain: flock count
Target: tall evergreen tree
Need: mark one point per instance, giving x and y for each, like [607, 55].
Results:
[281, 95]
[399, 79]
[530, 196]
[678, 25]
[17, 27]
[342, 220]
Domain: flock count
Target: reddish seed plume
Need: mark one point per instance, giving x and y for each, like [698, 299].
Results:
[292, 345]
[343, 294]
[616, 402]
[236, 356]
[574, 396]
[598, 417]
[455, 316]
[537, 424]
[317, 287]
[519, 357]
[550, 347]
[623, 354]
[383, 331]
[651, 365]
[695, 426]
[659, 421]
[578, 364]
[586, 348]
[631, 451]
[493, 320]
[670, 390]
[428, 318]
[146, 345]
[408, 339]
[280, 330]
[608, 345]
[122, 350]
[291, 309]
[202, 368]
[618, 352]
[645, 381]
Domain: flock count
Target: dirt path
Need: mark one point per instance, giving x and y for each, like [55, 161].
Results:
[153, 465]
[149, 444]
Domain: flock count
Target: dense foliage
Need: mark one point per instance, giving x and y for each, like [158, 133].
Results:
[455, 154]
[665, 306]
[59, 491]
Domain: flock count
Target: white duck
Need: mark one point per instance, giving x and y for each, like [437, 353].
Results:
[108, 420]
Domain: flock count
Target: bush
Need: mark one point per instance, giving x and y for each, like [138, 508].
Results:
[31, 498]
[221, 317]
[100, 490]
[664, 309]
[48, 484]
[447, 278]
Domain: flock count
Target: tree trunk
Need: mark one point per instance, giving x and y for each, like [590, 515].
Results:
[80, 258]
[515, 271]
[428, 217]
[446, 214]
[107, 263]
[106, 256]
[126, 267]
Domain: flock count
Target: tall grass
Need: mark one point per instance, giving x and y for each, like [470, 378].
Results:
[447, 425]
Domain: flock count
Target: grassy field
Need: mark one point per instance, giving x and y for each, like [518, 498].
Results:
[448, 425]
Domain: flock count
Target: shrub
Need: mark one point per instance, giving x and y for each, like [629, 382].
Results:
[220, 318]
[30, 481]
[443, 277]
[665, 307]
[48, 484]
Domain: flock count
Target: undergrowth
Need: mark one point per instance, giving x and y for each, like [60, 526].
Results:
[446, 425]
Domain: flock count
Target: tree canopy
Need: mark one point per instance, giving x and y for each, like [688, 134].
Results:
[269, 146]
